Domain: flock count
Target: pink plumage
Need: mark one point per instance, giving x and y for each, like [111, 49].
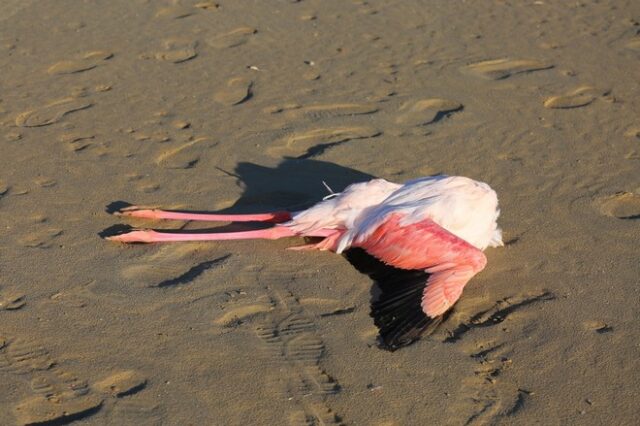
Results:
[438, 225]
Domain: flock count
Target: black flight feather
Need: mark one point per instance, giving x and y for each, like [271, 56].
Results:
[397, 312]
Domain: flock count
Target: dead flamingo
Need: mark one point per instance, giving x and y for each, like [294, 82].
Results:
[435, 227]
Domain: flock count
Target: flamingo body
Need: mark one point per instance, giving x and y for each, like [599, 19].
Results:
[437, 226]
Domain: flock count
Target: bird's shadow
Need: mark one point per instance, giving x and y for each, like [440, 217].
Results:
[293, 184]
[297, 183]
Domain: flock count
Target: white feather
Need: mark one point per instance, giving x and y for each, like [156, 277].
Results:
[342, 209]
[462, 206]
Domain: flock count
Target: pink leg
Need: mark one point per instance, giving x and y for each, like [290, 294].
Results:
[151, 236]
[133, 211]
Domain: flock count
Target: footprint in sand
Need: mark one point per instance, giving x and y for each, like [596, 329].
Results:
[65, 408]
[238, 306]
[582, 96]
[101, 88]
[147, 187]
[52, 113]
[236, 91]
[599, 327]
[311, 75]
[184, 156]
[622, 205]
[426, 111]
[45, 182]
[180, 124]
[499, 69]
[294, 346]
[242, 313]
[308, 17]
[497, 314]
[123, 408]
[167, 267]
[207, 5]
[488, 395]
[174, 12]
[11, 301]
[77, 141]
[76, 297]
[313, 142]
[40, 239]
[24, 357]
[87, 62]
[121, 384]
[177, 50]
[234, 38]
[146, 275]
[59, 396]
[191, 274]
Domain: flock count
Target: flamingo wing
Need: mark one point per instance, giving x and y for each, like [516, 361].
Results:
[441, 265]
[397, 310]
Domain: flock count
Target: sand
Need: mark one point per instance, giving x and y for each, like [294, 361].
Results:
[248, 106]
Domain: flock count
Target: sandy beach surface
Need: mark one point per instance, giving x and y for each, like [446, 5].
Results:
[247, 106]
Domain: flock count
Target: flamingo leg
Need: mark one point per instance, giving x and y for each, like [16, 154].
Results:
[152, 236]
[133, 211]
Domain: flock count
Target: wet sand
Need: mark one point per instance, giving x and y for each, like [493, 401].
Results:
[247, 106]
